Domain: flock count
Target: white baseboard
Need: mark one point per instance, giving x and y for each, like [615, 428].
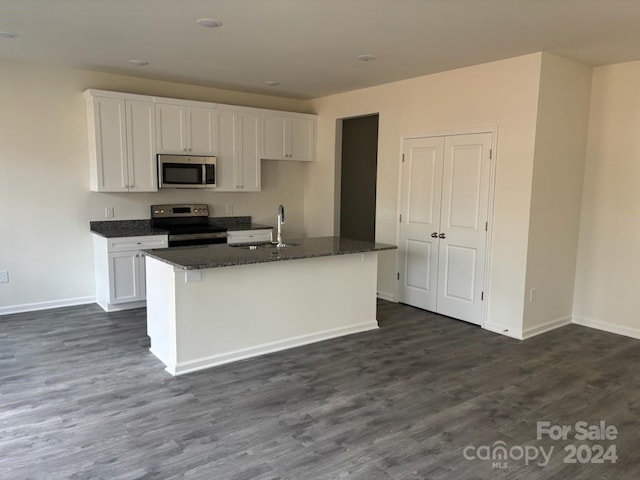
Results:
[608, 327]
[390, 297]
[33, 307]
[109, 307]
[545, 327]
[495, 328]
[207, 362]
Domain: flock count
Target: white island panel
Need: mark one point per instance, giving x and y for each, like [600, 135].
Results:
[238, 312]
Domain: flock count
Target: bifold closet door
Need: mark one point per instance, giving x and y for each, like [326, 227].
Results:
[443, 227]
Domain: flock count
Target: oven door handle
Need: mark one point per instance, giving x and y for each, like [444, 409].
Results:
[196, 236]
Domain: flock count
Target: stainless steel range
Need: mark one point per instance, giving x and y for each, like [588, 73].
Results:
[187, 224]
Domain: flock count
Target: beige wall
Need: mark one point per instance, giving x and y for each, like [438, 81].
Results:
[607, 274]
[45, 203]
[537, 102]
[502, 94]
[558, 171]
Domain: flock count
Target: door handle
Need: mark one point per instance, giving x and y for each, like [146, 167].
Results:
[442, 235]
[434, 235]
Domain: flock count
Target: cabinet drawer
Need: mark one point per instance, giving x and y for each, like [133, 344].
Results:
[248, 236]
[123, 244]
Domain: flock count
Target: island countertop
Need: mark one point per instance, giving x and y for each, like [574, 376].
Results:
[221, 255]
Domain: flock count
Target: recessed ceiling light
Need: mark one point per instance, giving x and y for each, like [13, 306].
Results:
[5, 34]
[139, 63]
[209, 22]
[366, 58]
[272, 83]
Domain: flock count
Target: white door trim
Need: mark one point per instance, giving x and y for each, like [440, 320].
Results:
[493, 130]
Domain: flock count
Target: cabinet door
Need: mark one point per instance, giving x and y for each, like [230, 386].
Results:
[248, 125]
[202, 131]
[274, 137]
[301, 139]
[171, 128]
[142, 276]
[109, 123]
[249, 236]
[124, 277]
[143, 174]
[227, 172]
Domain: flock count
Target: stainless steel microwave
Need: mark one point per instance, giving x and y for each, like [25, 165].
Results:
[186, 171]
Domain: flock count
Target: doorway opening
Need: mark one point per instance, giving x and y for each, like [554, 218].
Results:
[358, 176]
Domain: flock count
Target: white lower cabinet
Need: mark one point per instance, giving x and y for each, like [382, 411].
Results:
[249, 236]
[120, 270]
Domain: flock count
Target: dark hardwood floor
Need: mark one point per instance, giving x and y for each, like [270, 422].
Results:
[81, 397]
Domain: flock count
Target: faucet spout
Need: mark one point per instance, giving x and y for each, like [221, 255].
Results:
[280, 220]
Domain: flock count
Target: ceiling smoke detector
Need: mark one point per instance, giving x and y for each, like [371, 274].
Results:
[5, 34]
[366, 58]
[209, 23]
[139, 63]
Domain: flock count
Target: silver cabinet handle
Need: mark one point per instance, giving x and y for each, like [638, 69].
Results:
[442, 235]
[434, 235]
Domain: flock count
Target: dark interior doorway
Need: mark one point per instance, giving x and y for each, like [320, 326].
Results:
[358, 178]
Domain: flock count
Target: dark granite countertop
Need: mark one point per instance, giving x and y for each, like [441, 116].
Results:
[221, 255]
[141, 228]
[125, 228]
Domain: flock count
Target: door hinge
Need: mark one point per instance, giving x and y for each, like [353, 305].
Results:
[481, 296]
[490, 153]
[398, 275]
[486, 226]
[400, 218]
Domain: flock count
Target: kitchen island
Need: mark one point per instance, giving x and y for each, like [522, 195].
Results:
[213, 304]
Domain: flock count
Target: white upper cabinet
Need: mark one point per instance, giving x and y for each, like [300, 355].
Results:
[288, 137]
[238, 165]
[186, 130]
[202, 127]
[121, 144]
[127, 131]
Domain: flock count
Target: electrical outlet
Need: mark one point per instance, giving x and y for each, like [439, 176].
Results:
[532, 295]
[192, 276]
[4, 276]
[108, 212]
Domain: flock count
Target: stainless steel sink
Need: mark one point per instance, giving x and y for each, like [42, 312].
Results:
[264, 245]
[284, 245]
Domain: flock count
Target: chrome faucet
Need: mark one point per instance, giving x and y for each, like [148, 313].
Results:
[280, 219]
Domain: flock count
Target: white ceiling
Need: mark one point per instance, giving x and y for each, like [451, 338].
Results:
[310, 46]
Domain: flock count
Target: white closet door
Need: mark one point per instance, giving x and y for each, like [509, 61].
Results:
[465, 198]
[420, 209]
[443, 236]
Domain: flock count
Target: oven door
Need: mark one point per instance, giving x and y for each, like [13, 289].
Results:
[184, 240]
